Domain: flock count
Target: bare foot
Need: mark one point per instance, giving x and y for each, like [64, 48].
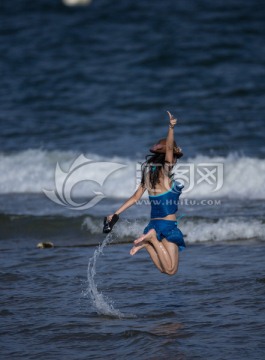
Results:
[144, 236]
[136, 248]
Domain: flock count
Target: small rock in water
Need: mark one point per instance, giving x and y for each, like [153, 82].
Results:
[45, 245]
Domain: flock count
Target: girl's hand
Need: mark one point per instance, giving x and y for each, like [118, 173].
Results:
[109, 217]
[172, 120]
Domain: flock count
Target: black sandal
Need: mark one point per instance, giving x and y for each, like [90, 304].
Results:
[108, 225]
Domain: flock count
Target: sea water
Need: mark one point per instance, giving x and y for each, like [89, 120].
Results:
[92, 84]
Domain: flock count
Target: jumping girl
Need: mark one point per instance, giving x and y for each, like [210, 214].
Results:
[161, 238]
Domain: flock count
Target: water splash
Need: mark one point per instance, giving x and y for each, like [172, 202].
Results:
[102, 304]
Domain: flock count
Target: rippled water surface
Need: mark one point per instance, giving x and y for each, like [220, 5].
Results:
[213, 308]
[97, 80]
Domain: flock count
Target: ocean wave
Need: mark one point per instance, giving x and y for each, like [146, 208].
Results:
[32, 171]
[195, 230]
[227, 229]
[87, 230]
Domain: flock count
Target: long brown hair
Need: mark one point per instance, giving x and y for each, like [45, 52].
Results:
[152, 166]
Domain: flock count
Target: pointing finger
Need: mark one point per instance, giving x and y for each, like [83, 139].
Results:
[169, 114]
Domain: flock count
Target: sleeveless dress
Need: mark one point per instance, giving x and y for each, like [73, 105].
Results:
[162, 205]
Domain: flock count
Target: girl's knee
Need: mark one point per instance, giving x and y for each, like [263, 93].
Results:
[171, 271]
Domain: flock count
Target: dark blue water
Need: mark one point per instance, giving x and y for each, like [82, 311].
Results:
[97, 80]
[100, 78]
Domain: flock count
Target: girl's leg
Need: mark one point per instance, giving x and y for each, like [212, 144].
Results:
[167, 253]
[173, 252]
[151, 251]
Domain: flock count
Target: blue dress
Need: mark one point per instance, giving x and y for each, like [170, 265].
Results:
[162, 205]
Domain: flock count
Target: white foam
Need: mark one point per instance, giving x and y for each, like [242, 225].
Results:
[123, 228]
[228, 229]
[92, 226]
[243, 177]
[76, 2]
[31, 171]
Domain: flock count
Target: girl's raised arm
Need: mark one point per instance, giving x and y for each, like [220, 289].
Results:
[170, 139]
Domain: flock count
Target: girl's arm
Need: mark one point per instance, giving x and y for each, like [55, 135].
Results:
[170, 139]
[131, 201]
